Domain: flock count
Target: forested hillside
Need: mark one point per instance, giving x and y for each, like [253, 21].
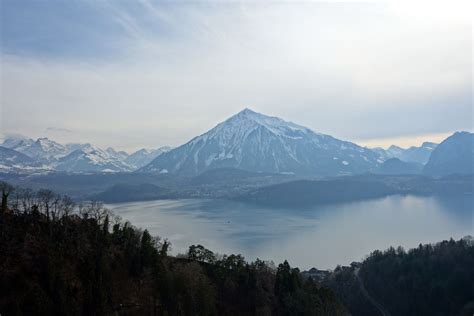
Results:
[427, 280]
[58, 259]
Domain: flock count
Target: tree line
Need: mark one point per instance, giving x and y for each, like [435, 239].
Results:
[432, 279]
[62, 258]
[428, 280]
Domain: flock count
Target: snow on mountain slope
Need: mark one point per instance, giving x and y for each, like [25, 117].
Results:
[144, 156]
[14, 161]
[43, 149]
[91, 159]
[395, 151]
[17, 141]
[413, 154]
[51, 155]
[418, 154]
[10, 157]
[75, 146]
[260, 143]
[120, 155]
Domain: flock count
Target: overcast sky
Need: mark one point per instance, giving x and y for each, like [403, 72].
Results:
[134, 74]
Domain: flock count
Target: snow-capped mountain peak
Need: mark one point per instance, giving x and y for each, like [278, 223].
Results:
[92, 159]
[42, 149]
[48, 154]
[256, 142]
[144, 156]
[249, 118]
[122, 155]
[413, 154]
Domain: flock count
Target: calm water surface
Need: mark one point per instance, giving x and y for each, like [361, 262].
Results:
[321, 236]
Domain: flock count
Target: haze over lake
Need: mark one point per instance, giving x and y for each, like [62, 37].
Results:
[320, 236]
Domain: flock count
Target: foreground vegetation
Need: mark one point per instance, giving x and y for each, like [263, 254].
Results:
[60, 259]
[427, 280]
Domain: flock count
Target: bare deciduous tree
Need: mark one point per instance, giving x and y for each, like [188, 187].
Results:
[94, 210]
[67, 206]
[6, 190]
[46, 198]
[27, 200]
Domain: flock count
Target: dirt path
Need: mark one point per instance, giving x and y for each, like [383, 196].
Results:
[369, 297]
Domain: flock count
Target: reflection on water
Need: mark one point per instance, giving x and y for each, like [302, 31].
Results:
[322, 236]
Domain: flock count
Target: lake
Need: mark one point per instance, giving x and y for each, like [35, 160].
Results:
[320, 236]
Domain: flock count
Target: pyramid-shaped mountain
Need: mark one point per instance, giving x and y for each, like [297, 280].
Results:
[259, 143]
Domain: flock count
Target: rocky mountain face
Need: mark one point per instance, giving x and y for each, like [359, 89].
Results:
[260, 143]
[455, 155]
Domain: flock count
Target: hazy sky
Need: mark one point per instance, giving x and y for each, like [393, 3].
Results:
[134, 74]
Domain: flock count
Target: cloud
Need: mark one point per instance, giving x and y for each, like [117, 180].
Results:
[57, 130]
[356, 71]
[4, 136]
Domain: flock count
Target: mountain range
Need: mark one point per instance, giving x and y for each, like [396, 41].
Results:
[258, 143]
[144, 156]
[24, 154]
[12, 160]
[247, 141]
[413, 154]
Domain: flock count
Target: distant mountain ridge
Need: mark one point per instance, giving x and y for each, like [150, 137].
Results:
[419, 154]
[455, 155]
[48, 155]
[92, 159]
[12, 160]
[396, 166]
[247, 141]
[413, 154]
[43, 149]
[143, 157]
[255, 142]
